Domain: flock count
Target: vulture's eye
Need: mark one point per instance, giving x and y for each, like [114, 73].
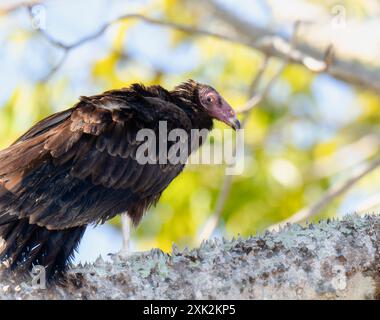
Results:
[210, 99]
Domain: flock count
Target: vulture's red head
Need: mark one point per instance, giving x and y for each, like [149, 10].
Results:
[206, 98]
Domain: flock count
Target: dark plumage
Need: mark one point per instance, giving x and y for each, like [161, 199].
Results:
[78, 167]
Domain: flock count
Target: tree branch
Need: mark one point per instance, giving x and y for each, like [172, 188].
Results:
[213, 221]
[285, 49]
[249, 35]
[313, 59]
[334, 192]
[329, 260]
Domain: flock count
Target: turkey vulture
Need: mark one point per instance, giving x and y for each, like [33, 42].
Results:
[79, 167]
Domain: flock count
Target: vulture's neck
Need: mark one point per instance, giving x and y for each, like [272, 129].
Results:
[199, 118]
[183, 97]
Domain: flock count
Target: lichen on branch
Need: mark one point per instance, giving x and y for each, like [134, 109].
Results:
[336, 259]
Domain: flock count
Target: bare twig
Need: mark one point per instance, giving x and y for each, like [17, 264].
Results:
[93, 36]
[261, 44]
[259, 76]
[106, 26]
[56, 67]
[257, 98]
[363, 149]
[249, 35]
[272, 44]
[334, 192]
[213, 221]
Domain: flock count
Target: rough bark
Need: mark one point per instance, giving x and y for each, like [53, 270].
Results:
[328, 260]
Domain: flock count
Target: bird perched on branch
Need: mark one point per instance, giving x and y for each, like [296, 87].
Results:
[80, 167]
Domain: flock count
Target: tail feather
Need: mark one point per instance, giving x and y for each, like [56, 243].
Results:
[24, 245]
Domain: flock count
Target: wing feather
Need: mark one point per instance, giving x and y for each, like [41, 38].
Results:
[77, 166]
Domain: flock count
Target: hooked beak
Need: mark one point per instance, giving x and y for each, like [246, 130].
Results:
[226, 114]
[234, 123]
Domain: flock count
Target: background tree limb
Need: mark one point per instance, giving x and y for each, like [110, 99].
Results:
[331, 194]
[249, 35]
[270, 43]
